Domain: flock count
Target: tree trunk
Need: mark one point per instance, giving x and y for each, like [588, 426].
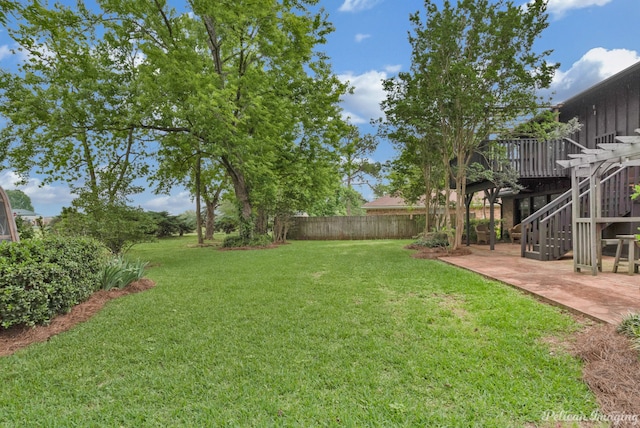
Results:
[492, 195]
[241, 190]
[348, 202]
[262, 221]
[198, 170]
[211, 203]
[210, 220]
[468, 199]
[426, 176]
[461, 189]
[280, 228]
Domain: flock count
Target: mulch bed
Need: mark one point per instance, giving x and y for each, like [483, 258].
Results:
[612, 371]
[16, 338]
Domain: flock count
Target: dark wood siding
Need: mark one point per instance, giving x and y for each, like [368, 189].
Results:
[612, 106]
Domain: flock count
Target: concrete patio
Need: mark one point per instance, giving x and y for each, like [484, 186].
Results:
[607, 297]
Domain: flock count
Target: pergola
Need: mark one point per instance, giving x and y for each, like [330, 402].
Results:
[8, 231]
[592, 164]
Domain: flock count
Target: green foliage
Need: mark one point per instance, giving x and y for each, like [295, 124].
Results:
[120, 272]
[356, 167]
[44, 229]
[70, 110]
[233, 242]
[235, 89]
[187, 222]
[474, 72]
[261, 241]
[544, 126]
[433, 240]
[25, 228]
[118, 227]
[474, 222]
[42, 278]
[256, 242]
[495, 169]
[339, 202]
[168, 225]
[226, 224]
[19, 200]
[630, 326]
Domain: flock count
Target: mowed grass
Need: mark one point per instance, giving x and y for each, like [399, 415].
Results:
[352, 333]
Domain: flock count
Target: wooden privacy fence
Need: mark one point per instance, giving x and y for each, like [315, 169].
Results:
[355, 227]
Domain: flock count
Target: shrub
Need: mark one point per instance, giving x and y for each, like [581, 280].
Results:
[630, 327]
[261, 241]
[42, 278]
[226, 224]
[25, 228]
[119, 272]
[238, 241]
[434, 240]
[118, 227]
[233, 241]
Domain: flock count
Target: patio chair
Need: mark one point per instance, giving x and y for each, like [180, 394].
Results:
[515, 233]
[482, 233]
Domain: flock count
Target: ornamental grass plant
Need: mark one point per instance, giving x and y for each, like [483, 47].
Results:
[119, 272]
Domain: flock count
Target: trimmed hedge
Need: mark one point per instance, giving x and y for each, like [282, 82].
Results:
[43, 278]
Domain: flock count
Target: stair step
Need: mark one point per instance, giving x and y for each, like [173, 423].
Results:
[557, 240]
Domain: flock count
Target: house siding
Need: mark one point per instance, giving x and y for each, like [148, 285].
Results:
[612, 106]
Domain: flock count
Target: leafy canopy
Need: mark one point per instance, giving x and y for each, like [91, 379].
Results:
[474, 71]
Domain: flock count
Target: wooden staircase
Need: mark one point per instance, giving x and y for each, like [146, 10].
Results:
[547, 233]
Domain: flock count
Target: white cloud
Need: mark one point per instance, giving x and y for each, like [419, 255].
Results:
[392, 69]
[357, 5]
[5, 52]
[594, 66]
[174, 204]
[364, 103]
[45, 198]
[360, 37]
[560, 7]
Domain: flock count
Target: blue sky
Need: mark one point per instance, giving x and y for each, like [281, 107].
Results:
[591, 39]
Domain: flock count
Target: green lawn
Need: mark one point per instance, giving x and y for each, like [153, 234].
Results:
[308, 334]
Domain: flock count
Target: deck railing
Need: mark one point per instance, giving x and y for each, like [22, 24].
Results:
[532, 158]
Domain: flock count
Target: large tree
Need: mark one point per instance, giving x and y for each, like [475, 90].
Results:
[19, 200]
[356, 165]
[417, 172]
[237, 75]
[476, 65]
[70, 105]
[231, 82]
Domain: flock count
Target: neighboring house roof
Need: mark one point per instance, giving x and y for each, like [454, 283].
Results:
[387, 202]
[391, 202]
[24, 213]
